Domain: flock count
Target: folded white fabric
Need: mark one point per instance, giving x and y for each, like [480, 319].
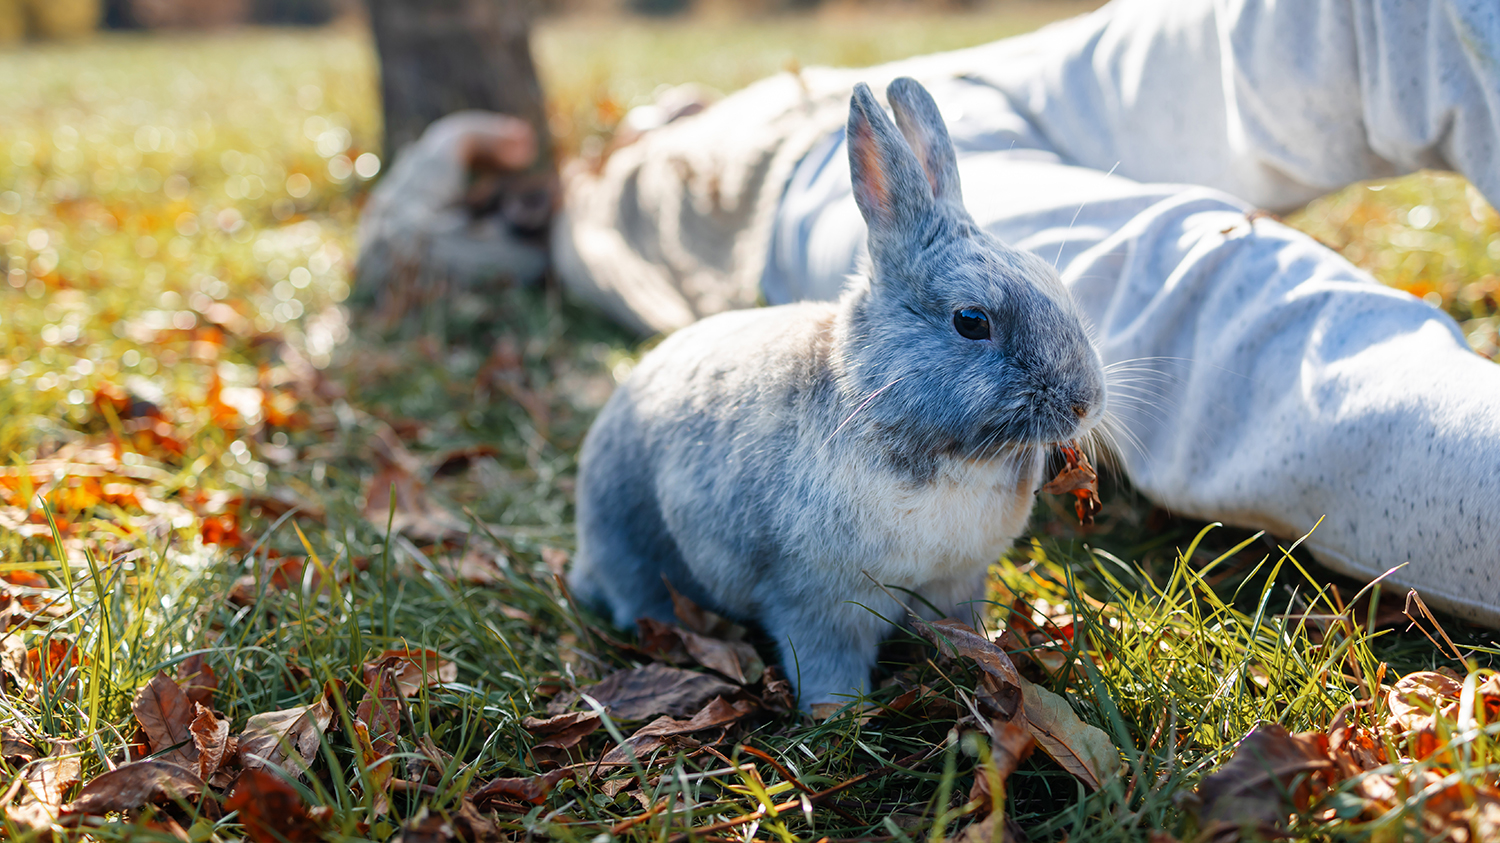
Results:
[1262, 380]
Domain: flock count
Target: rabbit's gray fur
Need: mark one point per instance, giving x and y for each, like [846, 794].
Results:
[764, 461]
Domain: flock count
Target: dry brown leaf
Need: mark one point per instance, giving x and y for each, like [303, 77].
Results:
[15, 749]
[465, 824]
[166, 715]
[272, 811]
[415, 513]
[51, 658]
[718, 712]
[293, 734]
[662, 641]
[197, 680]
[133, 785]
[46, 780]
[556, 560]
[427, 764]
[563, 731]
[1417, 696]
[655, 689]
[1079, 479]
[736, 660]
[701, 620]
[1249, 793]
[1083, 750]
[413, 669]
[211, 738]
[531, 789]
[1012, 743]
[13, 659]
[382, 706]
[378, 766]
[956, 639]
[457, 460]
[480, 564]
[776, 692]
[426, 828]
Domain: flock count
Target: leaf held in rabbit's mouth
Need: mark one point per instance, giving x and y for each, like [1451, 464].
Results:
[1079, 479]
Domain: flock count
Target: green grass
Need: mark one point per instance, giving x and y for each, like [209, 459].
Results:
[149, 183]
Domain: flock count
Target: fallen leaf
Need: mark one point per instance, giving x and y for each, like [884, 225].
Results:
[1079, 479]
[530, 789]
[776, 692]
[643, 692]
[383, 703]
[272, 811]
[427, 764]
[956, 639]
[1083, 750]
[378, 767]
[718, 712]
[1012, 743]
[197, 680]
[275, 737]
[480, 564]
[472, 826]
[736, 660]
[413, 669]
[661, 641]
[459, 459]
[701, 620]
[1249, 793]
[1416, 697]
[415, 513]
[41, 792]
[562, 731]
[13, 659]
[556, 560]
[425, 827]
[50, 659]
[130, 786]
[211, 738]
[166, 714]
[15, 749]
[862, 713]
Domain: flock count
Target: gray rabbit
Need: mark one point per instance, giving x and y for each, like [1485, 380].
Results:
[771, 462]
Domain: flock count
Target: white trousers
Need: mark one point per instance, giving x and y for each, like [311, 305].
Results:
[1262, 380]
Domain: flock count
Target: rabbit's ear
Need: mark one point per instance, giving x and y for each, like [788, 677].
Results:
[918, 117]
[889, 186]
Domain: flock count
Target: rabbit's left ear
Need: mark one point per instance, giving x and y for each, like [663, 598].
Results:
[920, 122]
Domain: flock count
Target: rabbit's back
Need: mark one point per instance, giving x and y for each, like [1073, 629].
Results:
[698, 461]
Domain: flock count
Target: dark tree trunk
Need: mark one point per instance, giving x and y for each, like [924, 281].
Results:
[442, 56]
[438, 57]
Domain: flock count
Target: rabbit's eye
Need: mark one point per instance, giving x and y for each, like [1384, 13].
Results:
[972, 323]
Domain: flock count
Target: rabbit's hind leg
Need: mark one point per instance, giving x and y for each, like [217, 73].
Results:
[827, 649]
[623, 554]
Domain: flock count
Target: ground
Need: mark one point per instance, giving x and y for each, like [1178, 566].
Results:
[240, 475]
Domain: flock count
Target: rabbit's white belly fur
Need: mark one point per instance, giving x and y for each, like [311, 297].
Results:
[965, 517]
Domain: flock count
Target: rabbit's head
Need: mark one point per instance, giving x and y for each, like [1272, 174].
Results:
[974, 348]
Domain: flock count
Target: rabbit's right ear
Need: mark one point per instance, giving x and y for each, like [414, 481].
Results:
[889, 185]
[920, 121]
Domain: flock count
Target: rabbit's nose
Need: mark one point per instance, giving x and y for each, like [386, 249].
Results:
[1080, 410]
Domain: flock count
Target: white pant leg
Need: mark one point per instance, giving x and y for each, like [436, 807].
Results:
[1273, 102]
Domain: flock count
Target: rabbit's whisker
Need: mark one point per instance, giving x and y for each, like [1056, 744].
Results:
[863, 404]
[1073, 221]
